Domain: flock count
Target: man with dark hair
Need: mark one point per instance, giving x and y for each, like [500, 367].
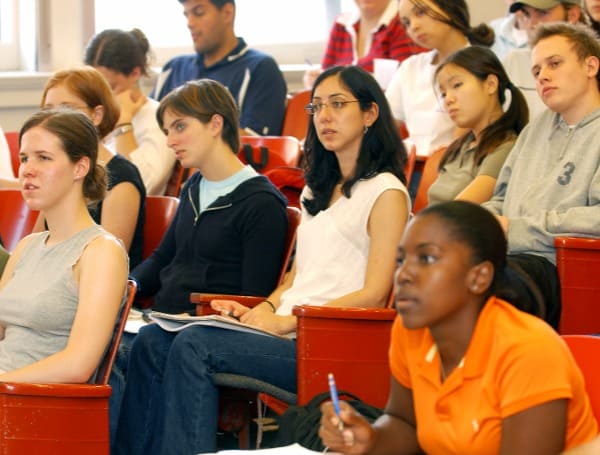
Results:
[550, 183]
[517, 62]
[252, 77]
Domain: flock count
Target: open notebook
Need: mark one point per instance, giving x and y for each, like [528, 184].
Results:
[294, 449]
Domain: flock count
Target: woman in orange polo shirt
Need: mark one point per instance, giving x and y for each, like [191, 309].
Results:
[472, 374]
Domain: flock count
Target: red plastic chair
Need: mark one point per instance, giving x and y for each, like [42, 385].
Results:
[16, 219]
[295, 121]
[586, 350]
[12, 138]
[430, 173]
[160, 211]
[66, 419]
[268, 152]
[578, 265]
[411, 150]
[176, 180]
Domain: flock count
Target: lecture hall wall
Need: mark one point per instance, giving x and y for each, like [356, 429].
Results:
[20, 92]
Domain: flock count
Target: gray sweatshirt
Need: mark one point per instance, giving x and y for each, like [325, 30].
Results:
[550, 184]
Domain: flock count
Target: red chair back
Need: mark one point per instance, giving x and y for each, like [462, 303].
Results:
[160, 211]
[578, 265]
[176, 180]
[106, 364]
[586, 350]
[16, 219]
[268, 152]
[411, 151]
[12, 138]
[295, 121]
[288, 180]
[430, 173]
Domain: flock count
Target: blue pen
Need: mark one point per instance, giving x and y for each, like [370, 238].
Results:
[335, 399]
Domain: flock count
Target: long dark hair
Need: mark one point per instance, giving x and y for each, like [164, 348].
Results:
[458, 17]
[481, 62]
[381, 148]
[478, 229]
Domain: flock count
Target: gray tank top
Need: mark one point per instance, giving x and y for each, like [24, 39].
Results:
[38, 304]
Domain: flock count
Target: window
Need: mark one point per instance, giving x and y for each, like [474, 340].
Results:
[9, 49]
[289, 41]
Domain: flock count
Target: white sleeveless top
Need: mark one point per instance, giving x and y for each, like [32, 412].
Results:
[333, 246]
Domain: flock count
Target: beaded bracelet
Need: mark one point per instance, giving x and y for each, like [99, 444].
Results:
[271, 304]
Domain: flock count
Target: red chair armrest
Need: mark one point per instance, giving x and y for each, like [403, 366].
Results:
[328, 312]
[203, 299]
[577, 243]
[55, 390]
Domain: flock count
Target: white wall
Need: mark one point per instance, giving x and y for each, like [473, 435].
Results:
[20, 93]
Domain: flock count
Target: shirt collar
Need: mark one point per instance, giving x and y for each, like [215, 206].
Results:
[238, 51]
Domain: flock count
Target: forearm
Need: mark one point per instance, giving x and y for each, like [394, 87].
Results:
[125, 143]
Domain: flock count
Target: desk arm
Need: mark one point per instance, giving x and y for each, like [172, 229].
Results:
[203, 299]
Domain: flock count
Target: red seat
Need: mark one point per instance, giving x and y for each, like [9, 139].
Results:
[268, 152]
[176, 180]
[12, 138]
[411, 151]
[586, 350]
[16, 219]
[578, 265]
[295, 121]
[430, 173]
[66, 419]
[160, 211]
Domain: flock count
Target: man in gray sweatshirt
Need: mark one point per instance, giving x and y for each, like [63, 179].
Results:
[550, 183]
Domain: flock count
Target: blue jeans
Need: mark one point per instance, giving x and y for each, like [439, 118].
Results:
[170, 402]
[118, 377]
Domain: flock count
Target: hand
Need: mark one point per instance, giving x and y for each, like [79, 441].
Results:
[229, 308]
[130, 102]
[357, 436]
[262, 316]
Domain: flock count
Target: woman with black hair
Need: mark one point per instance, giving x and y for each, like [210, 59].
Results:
[471, 374]
[355, 206]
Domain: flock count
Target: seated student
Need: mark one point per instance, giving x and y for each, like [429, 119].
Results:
[253, 77]
[471, 374]
[358, 38]
[122, 211]
[228, 233]
[444, 27]
[480, 99]
[592, 11]
[550, 182]
[518, 62]
[122, 58]
[61, 290]
[508, 33]
[355, 206]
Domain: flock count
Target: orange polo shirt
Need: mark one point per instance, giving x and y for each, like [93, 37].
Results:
[514, 361]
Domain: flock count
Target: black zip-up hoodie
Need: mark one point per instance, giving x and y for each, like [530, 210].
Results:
[234, 247]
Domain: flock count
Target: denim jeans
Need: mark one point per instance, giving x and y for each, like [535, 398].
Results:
[170, 402]
[118, 377]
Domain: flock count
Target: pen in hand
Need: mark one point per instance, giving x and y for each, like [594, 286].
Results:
[335, 399]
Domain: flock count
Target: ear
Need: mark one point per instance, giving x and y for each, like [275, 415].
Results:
[82, 168]
[97, 114]
[216, 124]
[574, 14]
[592, 65]
[480, 277]
[228, 12]
[491, 83]
[135, 74]
[371, 114]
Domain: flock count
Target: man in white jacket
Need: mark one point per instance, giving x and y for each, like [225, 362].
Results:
[550, 182]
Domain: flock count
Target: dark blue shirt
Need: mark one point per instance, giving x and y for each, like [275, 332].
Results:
[252, 77]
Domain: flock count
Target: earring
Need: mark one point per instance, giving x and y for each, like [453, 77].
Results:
[365, 130]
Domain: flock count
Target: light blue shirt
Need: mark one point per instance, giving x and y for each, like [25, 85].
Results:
[210, 190]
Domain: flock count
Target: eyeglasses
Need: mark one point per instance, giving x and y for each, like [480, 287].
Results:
[336, 105]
